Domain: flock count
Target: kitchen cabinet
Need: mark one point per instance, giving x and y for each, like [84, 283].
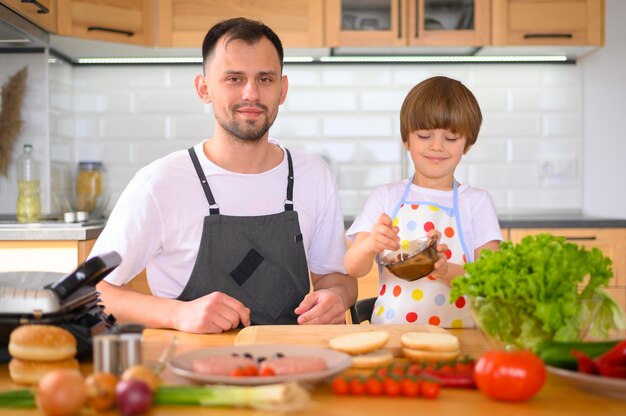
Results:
[184, 23]
[60, 256]
[612, 242]
[122, 21]
[548, 22]
[407, 23]
[43, 13]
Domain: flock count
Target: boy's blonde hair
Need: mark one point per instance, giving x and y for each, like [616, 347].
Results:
[441, 103]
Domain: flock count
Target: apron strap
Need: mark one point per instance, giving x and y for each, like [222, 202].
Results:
[289, 200]
[213, 207]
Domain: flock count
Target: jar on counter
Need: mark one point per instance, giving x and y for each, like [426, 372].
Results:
[89, 185]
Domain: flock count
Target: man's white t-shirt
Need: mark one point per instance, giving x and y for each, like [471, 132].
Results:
[157, 221]
[478, 212]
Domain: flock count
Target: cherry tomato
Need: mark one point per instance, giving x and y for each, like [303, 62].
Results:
[410, 387]
[430, 389]
[509, 376]
[340, 386]
[237, 372]
[357, 387]
[381, 372]
[373, 387]
[391, 387]
[266, 372]
[250, 370]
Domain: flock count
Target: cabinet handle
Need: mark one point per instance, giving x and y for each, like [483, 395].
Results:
[547, 35]
[586, 238]
[41, 9]
[399, 19]
[106, 29]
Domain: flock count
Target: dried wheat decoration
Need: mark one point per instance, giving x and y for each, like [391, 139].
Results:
[11, 116]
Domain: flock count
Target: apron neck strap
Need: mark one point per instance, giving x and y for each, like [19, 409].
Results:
[289, 200]
[213, 207]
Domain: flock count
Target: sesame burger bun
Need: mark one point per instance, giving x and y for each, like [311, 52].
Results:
[29, 373]
[42, 343]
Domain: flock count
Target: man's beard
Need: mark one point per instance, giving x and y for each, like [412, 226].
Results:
[239, 131]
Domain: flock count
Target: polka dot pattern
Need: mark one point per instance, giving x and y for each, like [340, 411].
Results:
[440, 299]
[417, 294]
[411, 317]
[425, 301]
[397, 290]
[434, 320]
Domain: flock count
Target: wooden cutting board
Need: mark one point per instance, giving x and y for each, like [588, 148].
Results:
[318, 335]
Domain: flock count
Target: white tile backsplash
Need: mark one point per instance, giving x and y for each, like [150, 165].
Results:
[528, 154]
[350, 113]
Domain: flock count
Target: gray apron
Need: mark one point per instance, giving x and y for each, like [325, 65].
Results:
[259, 260]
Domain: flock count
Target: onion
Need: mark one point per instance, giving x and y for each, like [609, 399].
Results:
[133, 397]
[100, 389]
[61, 393]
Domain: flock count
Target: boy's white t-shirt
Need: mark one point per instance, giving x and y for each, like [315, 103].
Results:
[478, 212]
[157, 221]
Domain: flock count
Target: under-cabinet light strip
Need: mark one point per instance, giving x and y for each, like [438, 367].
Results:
[339, 59]
[452, 59]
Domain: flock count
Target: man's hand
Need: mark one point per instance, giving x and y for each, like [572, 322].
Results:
[323, 306]
[212, 313]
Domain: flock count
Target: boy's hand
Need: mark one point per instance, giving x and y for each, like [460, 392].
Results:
[441, 266]
[383, 236]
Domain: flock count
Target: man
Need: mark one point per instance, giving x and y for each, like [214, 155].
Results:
[229, 230]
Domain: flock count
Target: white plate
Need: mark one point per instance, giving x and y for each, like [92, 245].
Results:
[335, 361]
[606, 386]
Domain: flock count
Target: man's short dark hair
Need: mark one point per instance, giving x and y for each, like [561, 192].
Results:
[240, 28]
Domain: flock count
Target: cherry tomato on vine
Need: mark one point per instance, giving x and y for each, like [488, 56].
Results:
[430, 389]
[391, 387]
[410, 387]
[509, 376]
[373, 387]
[340, 386]
[357, 387]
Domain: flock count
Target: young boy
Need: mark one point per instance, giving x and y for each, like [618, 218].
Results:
[439, 122]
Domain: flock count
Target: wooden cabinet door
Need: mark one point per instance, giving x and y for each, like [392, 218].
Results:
[612, 242]
[449, 23]
[43, 13]
[366, 23]
[184, 23]
[407, 23]
[124, 21]
[548, 22]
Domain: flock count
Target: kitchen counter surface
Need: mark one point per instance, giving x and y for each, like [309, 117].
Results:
[548, 220]
[50, 230]
[556, 398]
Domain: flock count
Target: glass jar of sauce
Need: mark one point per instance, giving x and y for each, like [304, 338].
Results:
[89, 185]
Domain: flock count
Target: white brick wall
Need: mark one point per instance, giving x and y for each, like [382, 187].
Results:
[528, 153]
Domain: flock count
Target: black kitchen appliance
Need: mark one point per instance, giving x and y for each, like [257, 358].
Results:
[71, 302]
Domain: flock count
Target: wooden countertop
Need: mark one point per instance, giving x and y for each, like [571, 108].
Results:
[556, 398]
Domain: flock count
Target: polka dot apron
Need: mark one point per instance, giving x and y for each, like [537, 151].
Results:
[426, 300]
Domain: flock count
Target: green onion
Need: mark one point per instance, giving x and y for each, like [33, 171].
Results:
[17, 399]
[276, 397]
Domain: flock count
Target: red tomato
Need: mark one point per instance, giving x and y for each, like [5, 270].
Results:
[430, 389]
[357, 387]
[509, 376]
[266, 372]
[340, 386]
[410, 387]
[373, 387]
[391, 387]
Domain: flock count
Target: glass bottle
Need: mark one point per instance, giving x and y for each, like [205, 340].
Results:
[89, 185]
[28, 199]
